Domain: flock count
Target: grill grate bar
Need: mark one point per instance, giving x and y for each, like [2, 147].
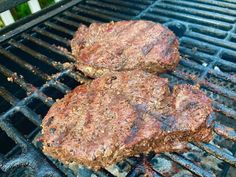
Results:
[35, 54]
[212, 40]
[24, 64]
[20, 107]
[60, 86]
[110, 6]
[208, 46]
[204, 57]
[159, 18]
[85, 20]
[33, 159]
[192, 18]
[146, 2]
[223, 76]
[197, 5]
[18, 80]
[224, 131]
[104, 172]
[189, 63]
[219, 107]
[105, 12]
[8, 96]
[219, 153]
[198, 12]
[38, 93]
[14, 134]
[227, 67]
[219, 89]
[196, 43]
[219, 3]
[30, 157]
[101, 16]
[15, 162]
[229, 53]
[218, 54]
[138, 171]
[137, 6]
[180, 74]
[141, 166]
[214, 150]
[31, 115]
[225, 110]
[63, 88]
[210, 31]
[138, 16]
[52, 36]
[67, 21]
[47, 46]
[232, 35]
[46, 100]
[189, 165]
[78, 76]
[59, 28]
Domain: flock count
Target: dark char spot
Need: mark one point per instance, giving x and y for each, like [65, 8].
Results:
[191, 105]
[52, 130]
[113, 78]
[148, 47]
[140, 109]
[49, 121]
[109, 81]
[170, 43]
[167, 122]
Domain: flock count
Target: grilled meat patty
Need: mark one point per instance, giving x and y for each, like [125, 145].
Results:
[124, 45]
[122, 114]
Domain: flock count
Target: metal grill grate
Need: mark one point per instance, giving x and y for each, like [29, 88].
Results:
[34, 74]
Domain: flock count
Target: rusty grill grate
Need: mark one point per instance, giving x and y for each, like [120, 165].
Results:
[34, 73]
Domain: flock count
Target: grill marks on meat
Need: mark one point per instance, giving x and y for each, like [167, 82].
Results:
[136, 126]
[125, 45]
[122, 114]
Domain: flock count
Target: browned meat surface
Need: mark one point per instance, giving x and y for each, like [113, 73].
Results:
[125, 45]
[122, 114]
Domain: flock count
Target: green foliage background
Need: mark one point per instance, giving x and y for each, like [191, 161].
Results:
[23, 10]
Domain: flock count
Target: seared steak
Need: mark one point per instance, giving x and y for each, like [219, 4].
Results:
[125, 45]
[122, 114]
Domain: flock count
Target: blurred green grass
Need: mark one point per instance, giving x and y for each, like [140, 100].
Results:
[23, 10]
[1, 23]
